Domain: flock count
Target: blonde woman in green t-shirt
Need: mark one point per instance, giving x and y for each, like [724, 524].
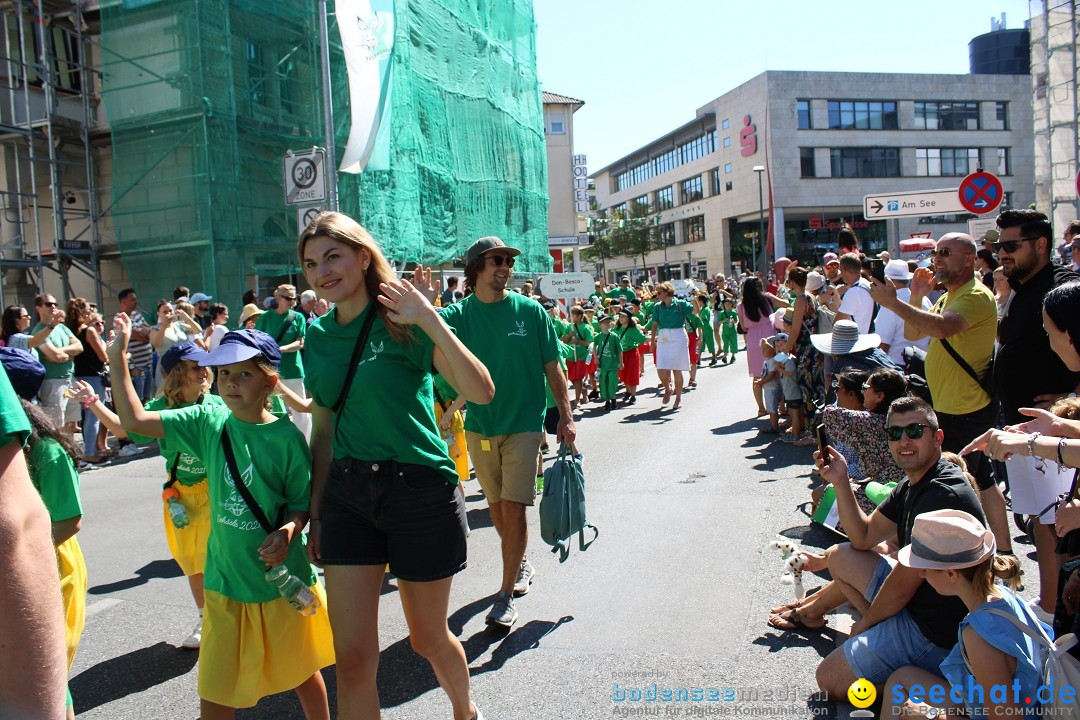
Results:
[383, 485]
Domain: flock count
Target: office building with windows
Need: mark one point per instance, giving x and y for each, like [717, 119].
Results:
[820, 142]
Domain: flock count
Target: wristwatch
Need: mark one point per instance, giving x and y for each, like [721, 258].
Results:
[934, 712]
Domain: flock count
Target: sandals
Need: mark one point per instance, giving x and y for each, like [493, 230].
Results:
[791, 620]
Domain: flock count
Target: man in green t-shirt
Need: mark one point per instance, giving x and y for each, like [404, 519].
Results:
[516, 341]
[288, 328]
[623, 291]
[35, 677]
[57, 353]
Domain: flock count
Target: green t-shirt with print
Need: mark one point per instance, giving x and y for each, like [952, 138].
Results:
[190, 470]
[275, 465]
[61, 336]
[705, 316]
[630, 337]
[390, 411]
[619, 292]
[14, 425]
[271, 323]
[514, 338]
[608, 351]
[672, 316]
[581, 331]
[57, 481]
[561, 326]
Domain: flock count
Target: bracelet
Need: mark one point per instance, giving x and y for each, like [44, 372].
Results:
[90, 401]
[1061, 450]
[1031, 443]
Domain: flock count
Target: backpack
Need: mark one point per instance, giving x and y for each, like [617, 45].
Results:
[915, 373]
[562, 508]
[1058, 669]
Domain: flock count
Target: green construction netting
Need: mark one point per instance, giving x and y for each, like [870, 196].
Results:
[205, 96]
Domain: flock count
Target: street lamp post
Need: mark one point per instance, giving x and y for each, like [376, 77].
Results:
[760, 169]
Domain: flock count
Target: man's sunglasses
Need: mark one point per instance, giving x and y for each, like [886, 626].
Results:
[1010, 246]
[941, 252]
[500, 260]
[914, 431]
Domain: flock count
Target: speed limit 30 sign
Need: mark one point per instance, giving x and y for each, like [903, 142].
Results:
[305, 176]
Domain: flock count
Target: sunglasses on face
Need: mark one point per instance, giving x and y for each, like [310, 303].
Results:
[290, 298]
[1010, 246]
[500, 260]
[867, 386]
[914, 431]
[49, 304]
[941, 252]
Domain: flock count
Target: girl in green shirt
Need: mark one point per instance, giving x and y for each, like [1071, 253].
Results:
[383, 486]
[631, 340]
[579, 337]
[705, 316]
[254, 643]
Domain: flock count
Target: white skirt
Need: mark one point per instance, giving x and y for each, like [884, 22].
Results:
[1032, 489]
[672, 349]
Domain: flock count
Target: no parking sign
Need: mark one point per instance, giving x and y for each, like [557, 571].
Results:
[980, 192]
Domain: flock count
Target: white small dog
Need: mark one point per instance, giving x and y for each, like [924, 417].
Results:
[794, 559]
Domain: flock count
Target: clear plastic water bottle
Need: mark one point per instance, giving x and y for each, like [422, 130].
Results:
[292, 589]
[176, 509]
[451, 443]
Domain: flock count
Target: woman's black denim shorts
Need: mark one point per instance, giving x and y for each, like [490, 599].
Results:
[384, 512]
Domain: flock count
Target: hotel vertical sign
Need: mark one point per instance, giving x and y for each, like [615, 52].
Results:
[581, 185]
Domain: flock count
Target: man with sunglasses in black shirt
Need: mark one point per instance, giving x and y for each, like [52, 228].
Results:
[1028, 373]
[904, 620]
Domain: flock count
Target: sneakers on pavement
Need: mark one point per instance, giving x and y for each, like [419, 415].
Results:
[502, 612]
[192, 641]
[130, 450]
[526, 573]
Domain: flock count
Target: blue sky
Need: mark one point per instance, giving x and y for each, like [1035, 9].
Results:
[643, 68]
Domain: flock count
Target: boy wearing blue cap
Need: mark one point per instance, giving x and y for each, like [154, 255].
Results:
[254, 643]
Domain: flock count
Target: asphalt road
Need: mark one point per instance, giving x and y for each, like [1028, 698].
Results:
[675, 591]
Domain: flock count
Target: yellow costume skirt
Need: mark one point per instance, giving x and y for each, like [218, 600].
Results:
[69, 559]
[458, 427]
[188, 544]
[251, 650]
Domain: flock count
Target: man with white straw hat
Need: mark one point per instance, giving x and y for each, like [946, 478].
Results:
[888, 324]
[846, 348]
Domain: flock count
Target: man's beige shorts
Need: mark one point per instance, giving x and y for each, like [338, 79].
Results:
[505, 465]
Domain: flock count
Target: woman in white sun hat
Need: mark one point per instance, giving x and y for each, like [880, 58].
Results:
[956, 555]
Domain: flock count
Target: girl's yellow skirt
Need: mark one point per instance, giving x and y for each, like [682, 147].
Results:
[69, 559]
[457, 426]
[188, 544]
[251, 650]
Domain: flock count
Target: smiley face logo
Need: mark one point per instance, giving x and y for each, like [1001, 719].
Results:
[862, 693]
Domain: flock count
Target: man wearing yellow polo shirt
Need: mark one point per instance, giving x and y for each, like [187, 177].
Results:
[964, 318]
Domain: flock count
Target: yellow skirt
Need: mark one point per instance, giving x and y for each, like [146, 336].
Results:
[188, 544]
[69, 559]
[251, 650]
[461, 462]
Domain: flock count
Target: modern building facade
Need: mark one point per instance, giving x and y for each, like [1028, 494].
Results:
[1054, 68]
[822, 141]
[567, 181]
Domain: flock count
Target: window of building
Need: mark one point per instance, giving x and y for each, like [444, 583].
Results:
[725, 125]
[691, 190]
[946, 162]
[714, 180]
[727, 141]
[727, 168]
[1001, 112]
[727, 186]
[256, 70]
[862, 115]
[664, 199]
[802, 108]
[618, 210]
[947, 115]
[641, 204]
[665, 234]
[865, 162]
[806, 162]
[682, 154]
[1003, 161]
[557, 122]
[694, 229]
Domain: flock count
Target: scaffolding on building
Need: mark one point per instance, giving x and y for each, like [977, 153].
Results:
[48, 132]
[1054, 69]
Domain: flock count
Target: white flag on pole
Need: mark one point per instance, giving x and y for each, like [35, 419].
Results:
[367, 38]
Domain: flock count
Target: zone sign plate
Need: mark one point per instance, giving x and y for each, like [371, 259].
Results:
[305, 176]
